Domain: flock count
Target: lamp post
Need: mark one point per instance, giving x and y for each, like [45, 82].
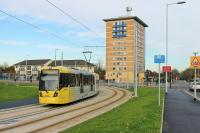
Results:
[167, 6]
[86, 59]
[55, 55]
[61, 57]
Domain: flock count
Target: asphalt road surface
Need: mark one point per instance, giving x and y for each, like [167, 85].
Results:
[181, 113]
[19, 103]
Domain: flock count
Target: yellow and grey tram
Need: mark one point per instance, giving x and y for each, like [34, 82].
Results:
[60, 85]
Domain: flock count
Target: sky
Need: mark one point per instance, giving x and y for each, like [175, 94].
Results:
[19, 41]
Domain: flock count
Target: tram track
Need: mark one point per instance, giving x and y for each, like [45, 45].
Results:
[17, 113]
[16, 109]
[27, 123]
[15, 117]
[29, 110]
[80, 115]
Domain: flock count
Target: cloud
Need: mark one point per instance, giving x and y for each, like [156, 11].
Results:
[14, 43]
[51, 46]
[83, 34]
[89, 35]
[39, 31]
[58, 46]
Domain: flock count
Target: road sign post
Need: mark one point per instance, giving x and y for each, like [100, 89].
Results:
[195, 83]
[167, 69]
[158, 59]
[195, 63]
[159, 85]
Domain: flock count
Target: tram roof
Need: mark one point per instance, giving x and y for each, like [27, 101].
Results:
[71, 63]
[63, 69]
[33, 62]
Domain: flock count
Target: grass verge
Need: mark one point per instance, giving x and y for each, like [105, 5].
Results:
[11, 92]
[138, 115]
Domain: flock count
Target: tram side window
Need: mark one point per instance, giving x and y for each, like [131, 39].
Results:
[67, 80]
[88, 79]
[85, 80]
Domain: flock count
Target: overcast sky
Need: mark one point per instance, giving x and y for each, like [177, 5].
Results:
[18, 39]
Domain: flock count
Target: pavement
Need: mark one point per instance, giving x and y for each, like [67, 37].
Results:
[181, 113]
[18, 103]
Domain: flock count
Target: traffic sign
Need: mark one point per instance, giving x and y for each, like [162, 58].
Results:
[159, 59]
[195, 62]
[166, 68]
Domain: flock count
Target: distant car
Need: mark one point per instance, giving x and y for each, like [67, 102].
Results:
[192, 86]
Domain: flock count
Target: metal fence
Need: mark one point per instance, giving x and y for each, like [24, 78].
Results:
[13, 78]
[128, 85]
[7, 76]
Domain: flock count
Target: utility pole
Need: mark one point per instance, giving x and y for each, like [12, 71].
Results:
[166, 74]
[86, 59]
[55, 55]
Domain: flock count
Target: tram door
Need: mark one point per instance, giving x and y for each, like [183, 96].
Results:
[81, 83]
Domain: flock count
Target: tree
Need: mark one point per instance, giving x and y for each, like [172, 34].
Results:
[100, 70]
[175, 74]
[151, 75]
[100, 64]
[10, 69]
[1, 68]
[187, 74]
[5, 66]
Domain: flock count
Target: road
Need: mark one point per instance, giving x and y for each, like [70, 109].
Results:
[181, 113]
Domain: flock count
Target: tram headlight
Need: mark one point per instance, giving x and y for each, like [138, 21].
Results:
[55, 94]
[41, 94]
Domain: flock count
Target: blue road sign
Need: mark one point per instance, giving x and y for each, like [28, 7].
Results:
[159, 59]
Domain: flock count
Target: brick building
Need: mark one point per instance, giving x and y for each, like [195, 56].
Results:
[123, 35]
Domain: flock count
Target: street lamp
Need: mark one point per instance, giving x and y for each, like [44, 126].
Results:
[55, 55]
[61, 56]
[167, 6]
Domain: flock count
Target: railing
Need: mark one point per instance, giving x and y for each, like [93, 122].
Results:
[128, 85]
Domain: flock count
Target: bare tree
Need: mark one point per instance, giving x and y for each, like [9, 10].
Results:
[1, 68]
[99, 69]
[5, 65]
[100, 64]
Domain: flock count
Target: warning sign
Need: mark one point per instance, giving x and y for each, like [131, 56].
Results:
[195, 62]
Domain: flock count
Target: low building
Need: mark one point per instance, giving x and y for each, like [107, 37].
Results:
[76, 64]
[34, 67]
[30, 69]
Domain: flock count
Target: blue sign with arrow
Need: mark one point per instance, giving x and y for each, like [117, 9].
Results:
[159, 59]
